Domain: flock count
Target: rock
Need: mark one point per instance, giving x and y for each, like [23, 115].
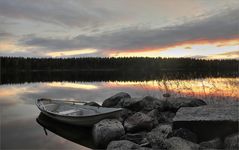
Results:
[149, 103]
[166, 116]
[154, 114]
[92, 104]
[212, 144]
[114, 100]
[185, 134]
[163, 130]
[125, 113]
[157, 142]
[138, 138]
[107, 130]
[177, 143]
[124, 145]
[179, 102]
[131, 103]
[218, 120]
[232, 141]
[157, 136]
[161, 117]
[166, 95]
[138, 122]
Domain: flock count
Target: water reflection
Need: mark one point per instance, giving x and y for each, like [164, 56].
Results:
[27, 134]
[18, 110]
[80, 135]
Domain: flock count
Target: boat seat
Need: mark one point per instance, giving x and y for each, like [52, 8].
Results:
[67, 112]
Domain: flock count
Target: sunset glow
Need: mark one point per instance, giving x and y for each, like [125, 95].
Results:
[71, 52]
[72, 85]
[208, 49]
[219, 87]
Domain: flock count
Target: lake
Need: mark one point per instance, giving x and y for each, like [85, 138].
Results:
[20, 130]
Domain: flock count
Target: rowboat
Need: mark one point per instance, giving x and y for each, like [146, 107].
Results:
[74, 113]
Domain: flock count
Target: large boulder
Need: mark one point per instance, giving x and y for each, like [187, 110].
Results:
[232, 141]
[125, 145]
[179, 102]
[216, 143]
[218, 120]
[114, 100]
[177, 143]
[185, 134]
[138, 122]
[107, 130]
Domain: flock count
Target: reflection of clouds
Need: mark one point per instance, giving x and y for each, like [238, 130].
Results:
[98, 91]
[18, 117]
[27, 134]
[219, 87]
[72, 85]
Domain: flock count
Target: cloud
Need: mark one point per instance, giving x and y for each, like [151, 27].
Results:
[227, 55]
[70, 13]
[222, 26]
[4, 36]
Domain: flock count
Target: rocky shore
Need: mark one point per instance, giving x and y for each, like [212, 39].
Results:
[168, 124]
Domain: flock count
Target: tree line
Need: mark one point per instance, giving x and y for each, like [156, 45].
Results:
[126, 64]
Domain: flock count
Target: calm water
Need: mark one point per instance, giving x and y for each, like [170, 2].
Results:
[20, 130]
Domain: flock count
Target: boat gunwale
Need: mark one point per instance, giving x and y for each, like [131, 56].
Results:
[49, 112]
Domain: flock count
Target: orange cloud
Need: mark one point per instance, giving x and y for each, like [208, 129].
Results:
[154, 51]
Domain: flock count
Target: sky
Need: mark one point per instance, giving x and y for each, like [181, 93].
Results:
[206, 29]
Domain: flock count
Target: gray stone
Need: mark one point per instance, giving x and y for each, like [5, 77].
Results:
[138, 122]
[179, 102]
[155, 115]
[166, 116]
[157, 136]
[218, 120]
[114, 100]
[232, 141]
[107, 130]
[125, 145]
[157, 143]
[162, 130]
[177, 143]
[131, 103]
[212, 144]
[93, 104]
[149, 103]
[185, 134]
[125, 113]
[138, 138]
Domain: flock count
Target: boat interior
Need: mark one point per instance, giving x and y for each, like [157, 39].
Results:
[72, 109]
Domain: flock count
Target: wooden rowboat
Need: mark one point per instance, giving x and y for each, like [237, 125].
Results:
[72, 112]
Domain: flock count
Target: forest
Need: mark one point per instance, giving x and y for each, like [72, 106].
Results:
[21, 70]
[139, 64]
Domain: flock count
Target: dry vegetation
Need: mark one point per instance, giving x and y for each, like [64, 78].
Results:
[212, 90]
